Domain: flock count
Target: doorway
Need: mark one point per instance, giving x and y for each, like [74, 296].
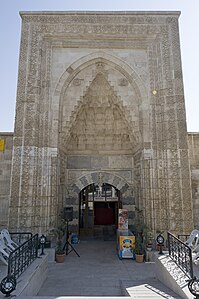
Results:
[98, 208]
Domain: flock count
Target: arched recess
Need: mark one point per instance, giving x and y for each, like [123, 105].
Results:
[104, 62]
[111, 60]
[99, 177]
[127, 73]
[72, 72]
[127, 190]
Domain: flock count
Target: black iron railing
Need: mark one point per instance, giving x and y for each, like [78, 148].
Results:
[23, 256]
[183, 237]
[20, 237]
[181, 254]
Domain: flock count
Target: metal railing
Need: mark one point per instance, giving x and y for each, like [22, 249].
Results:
[183, 237]
[181, 254]
[20, 237]
[23, 256]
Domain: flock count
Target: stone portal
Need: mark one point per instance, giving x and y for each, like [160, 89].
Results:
[100, 94]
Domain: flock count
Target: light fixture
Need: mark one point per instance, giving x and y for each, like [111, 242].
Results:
[42, 242]
[8, 285]
[154, 92]
[193, 287]
[160, 241]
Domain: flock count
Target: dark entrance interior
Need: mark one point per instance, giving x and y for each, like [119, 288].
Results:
[105, 213]
[98, 208]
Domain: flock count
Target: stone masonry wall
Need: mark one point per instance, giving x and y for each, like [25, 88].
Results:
[133, 60]
[193, 142]
[5, 172]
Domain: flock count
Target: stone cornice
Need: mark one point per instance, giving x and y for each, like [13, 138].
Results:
[123, 13]
[6, 133]
[97, 17]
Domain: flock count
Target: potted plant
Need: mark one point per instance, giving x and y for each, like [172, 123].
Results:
[139, 249]
[59, 232]
[149, 241]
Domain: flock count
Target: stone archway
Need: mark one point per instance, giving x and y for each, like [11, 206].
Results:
[123, 80]
[127, 192]
[103, 57]
[110, 178]
[101, 122]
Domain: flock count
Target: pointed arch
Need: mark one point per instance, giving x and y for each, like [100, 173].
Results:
[107, 58]
[77, 68]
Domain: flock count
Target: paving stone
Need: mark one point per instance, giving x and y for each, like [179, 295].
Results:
[99, 272]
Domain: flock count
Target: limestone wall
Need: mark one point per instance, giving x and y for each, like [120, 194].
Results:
[99, 85]
[193, 142]
[5, 172]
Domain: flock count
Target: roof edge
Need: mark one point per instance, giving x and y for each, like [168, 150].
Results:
[163, 13]
[6, 133]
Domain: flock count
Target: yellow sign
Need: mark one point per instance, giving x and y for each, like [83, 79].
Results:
[2, 145]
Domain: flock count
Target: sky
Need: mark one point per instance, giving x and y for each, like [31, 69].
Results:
[10, 31]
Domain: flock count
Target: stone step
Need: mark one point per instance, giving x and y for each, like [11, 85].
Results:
[138, 289]
[67, 297]
[152, 288]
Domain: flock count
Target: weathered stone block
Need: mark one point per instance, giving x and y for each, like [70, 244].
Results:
[79, 162]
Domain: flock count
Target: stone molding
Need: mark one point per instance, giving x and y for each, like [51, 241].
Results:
[107, 177]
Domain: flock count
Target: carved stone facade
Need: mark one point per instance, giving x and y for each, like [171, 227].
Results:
[100, 93]
[5, 174]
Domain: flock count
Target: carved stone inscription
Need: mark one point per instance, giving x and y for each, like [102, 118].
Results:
[86, 88]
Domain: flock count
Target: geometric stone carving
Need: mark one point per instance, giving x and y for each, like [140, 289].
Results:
[123, 82]
[85, 89]
[99, 126]
[77, 81]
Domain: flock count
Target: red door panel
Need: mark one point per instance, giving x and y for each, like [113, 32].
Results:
[104, 216]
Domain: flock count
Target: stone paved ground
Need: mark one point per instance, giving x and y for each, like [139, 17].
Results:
[99, 272]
